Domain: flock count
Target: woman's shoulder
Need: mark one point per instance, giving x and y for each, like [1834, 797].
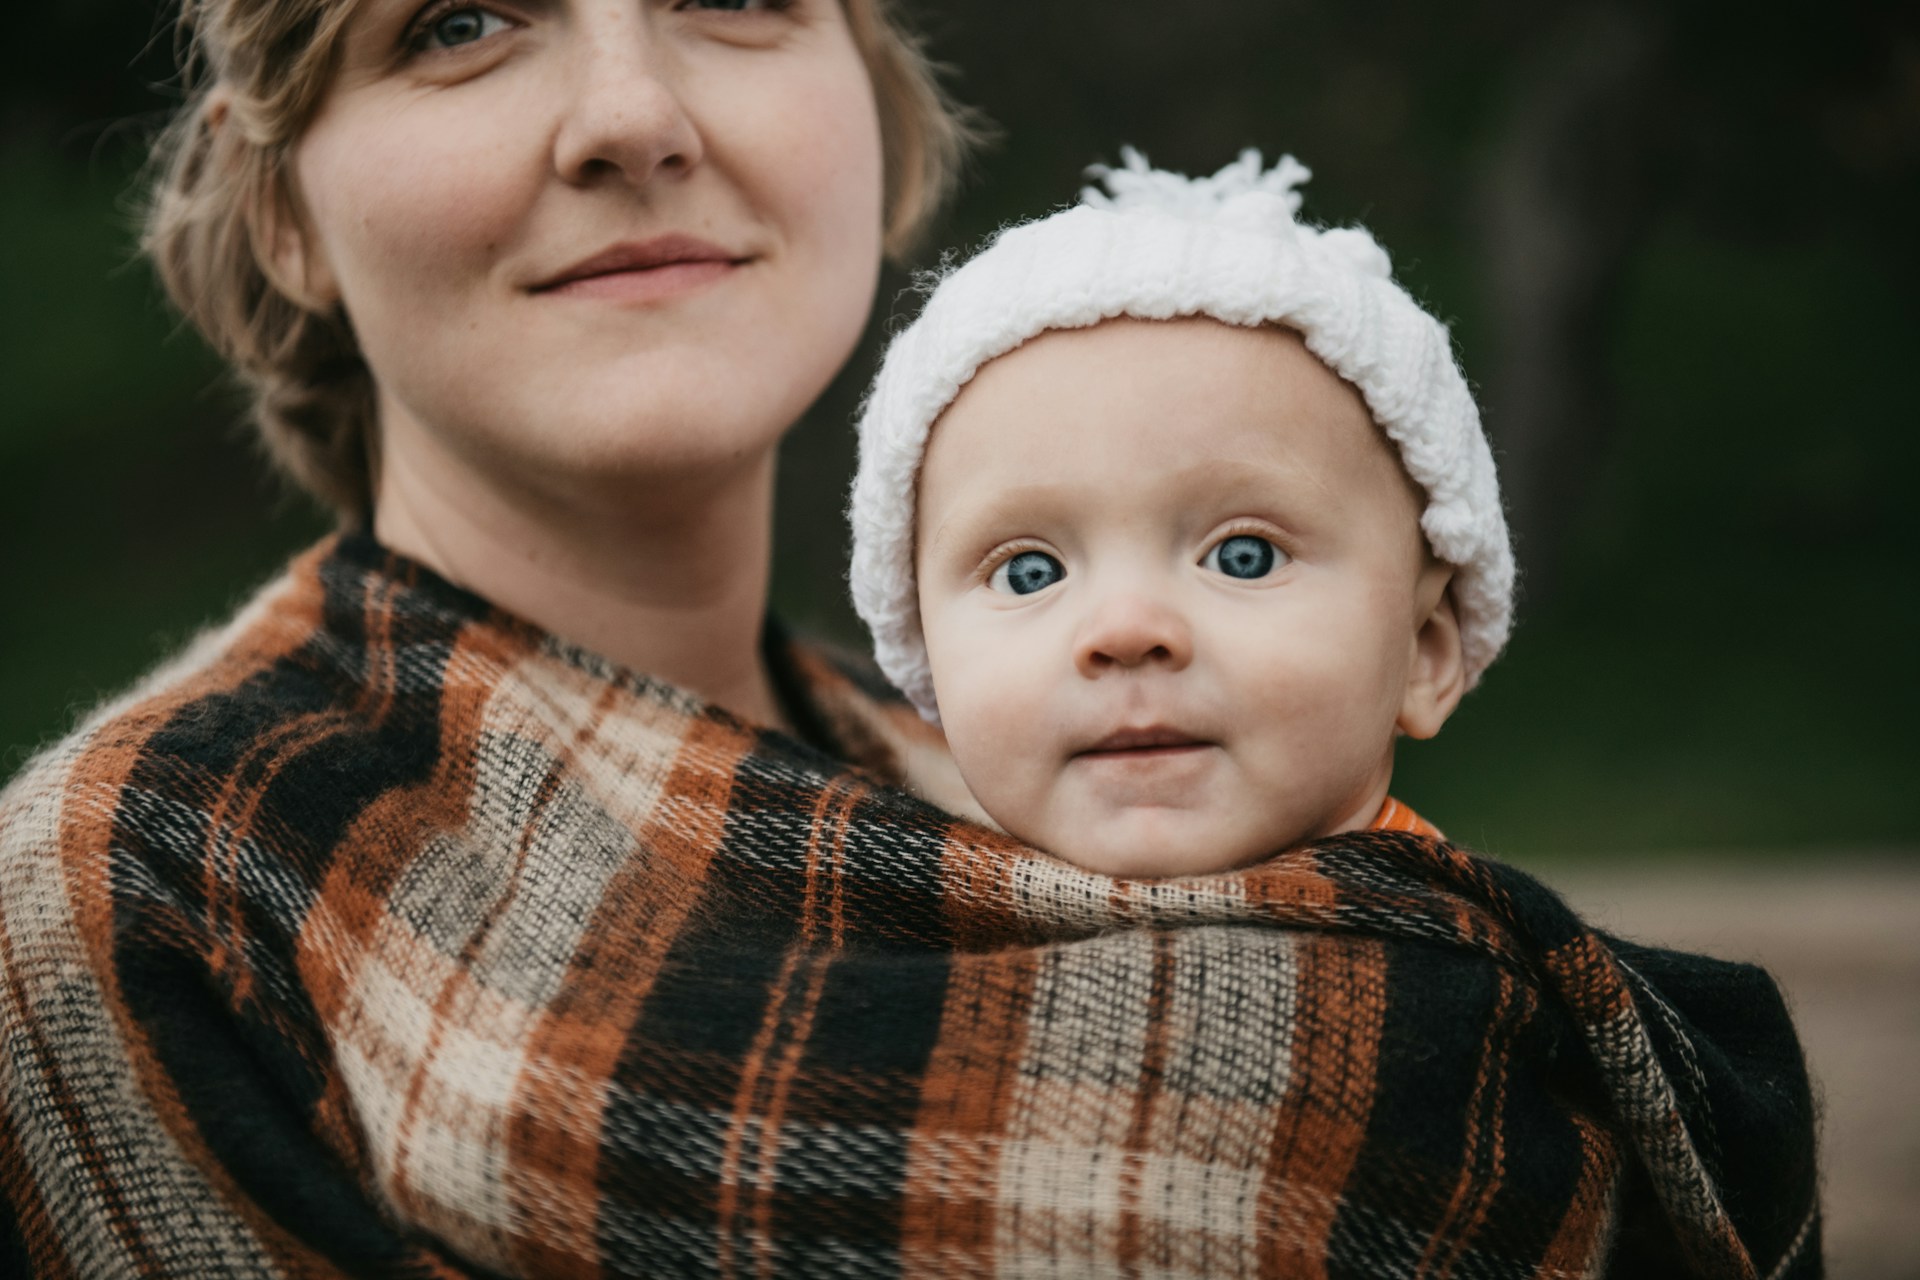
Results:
[359, 682]
[215, 725]
[220, 658]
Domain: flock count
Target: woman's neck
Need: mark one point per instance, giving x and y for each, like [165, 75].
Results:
[667, 578]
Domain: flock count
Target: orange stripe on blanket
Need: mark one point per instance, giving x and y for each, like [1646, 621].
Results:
[355, 898]
[1332, 1079]
[87, 835]
[39, 1233]
[1133, 1244]
[1484, 1159]
[555, 1138]
[773, 1061]
[948, 1212]
[1585, 1233]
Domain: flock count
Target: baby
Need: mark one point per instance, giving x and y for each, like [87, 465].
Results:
[1175, 513]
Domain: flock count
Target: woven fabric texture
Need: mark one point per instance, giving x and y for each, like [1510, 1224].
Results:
[381, 934]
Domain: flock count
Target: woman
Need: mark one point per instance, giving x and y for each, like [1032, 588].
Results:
[401, 927]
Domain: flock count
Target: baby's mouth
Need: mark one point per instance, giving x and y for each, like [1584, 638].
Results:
[1142, 744]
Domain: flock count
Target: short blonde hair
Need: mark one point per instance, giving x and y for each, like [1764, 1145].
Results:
[219, 191]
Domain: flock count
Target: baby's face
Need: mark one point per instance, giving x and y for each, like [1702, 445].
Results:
[1175, 596]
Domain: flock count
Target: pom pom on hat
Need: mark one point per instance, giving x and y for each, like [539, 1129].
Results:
[1155, 245]
[1138, 187]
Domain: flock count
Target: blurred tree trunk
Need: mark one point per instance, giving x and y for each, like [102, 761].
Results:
[1564, 194]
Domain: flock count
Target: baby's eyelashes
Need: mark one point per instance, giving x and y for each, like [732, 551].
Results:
[1023, 570]
[1026, 572]
[1244, 556]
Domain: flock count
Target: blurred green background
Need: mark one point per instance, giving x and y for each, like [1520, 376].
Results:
[1677, 244]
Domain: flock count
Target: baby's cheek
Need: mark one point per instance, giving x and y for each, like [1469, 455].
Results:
[980, 734]
[1317, 720]
[992, 743]
[1326, 667]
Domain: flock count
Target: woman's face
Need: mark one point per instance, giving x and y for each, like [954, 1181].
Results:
[595, 238]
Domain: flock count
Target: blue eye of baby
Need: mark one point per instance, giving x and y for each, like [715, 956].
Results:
[1028, 572]
[1243, 556]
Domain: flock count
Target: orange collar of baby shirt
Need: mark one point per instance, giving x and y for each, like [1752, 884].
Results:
[1394, 816]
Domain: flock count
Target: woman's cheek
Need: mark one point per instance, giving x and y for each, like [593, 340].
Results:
[409, 209]
[826, 122]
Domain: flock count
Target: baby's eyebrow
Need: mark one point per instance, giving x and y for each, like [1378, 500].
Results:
[1218, 477]
[1009, 513]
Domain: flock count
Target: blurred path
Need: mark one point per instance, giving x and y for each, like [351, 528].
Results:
[1843, 939]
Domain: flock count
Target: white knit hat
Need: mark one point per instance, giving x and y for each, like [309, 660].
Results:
[1155, 245]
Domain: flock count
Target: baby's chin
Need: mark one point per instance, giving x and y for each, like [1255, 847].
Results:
[1160, 844]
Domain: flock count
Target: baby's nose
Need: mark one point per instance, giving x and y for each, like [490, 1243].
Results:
[1129, 631]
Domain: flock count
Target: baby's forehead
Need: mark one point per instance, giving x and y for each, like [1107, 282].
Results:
[1186, 389]
[1184, 422]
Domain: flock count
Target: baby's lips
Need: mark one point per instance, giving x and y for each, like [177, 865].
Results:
[1154, 737]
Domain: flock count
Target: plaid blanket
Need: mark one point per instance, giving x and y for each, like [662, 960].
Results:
[381, 934]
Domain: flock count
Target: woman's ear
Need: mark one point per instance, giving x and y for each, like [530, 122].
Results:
[275, 231]
[293, 257]
[1437, 678]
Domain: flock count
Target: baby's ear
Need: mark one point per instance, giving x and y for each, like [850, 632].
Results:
[1437, 677]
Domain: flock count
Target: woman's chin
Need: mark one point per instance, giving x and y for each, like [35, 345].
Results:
[612, 442]
[671, 427]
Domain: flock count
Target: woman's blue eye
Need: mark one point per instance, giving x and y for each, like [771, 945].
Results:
[1026, 573]
[1243, 556]
[463, 26]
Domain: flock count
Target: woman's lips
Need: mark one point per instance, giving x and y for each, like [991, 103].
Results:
[644, 271]
[646, 284]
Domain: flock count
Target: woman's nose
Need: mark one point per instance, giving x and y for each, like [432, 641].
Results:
[1132, 631]
[626, 117]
